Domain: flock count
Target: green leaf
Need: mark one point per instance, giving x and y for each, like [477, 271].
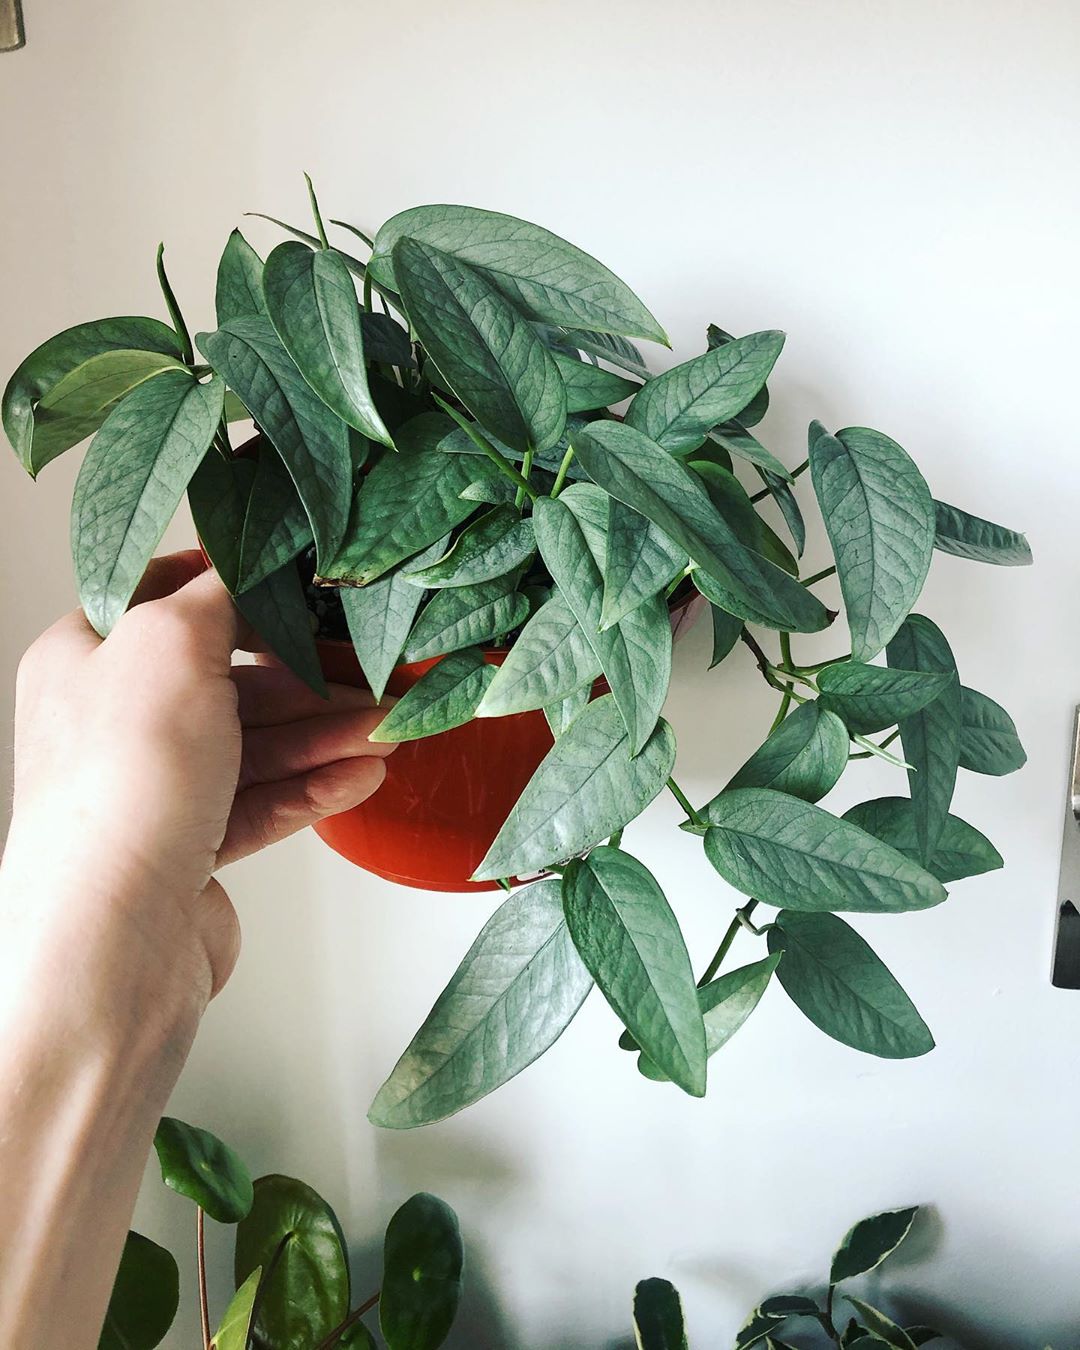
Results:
[466, 616]
[493, 545]
[446, 696]
[386, 341]
[380, 616]
[931, 738]
[881, 1325]
[559, 715]
[589, 387]
[355, 266]
[726, 629]
[491, 358]
[294, 1236]
[239, 281]
[144, 1299]
[587, 787]
[725, 1005]
[131, 482]
[658, 1316]
[277, 610]
[542, 275]
[422, 1263]
[312, 441]
[628, 937]
[218, 496]
[836, 981]
[312, 304]
[615, 350]
[198, 1165]
[988, 739]
[48, 364]
[517, 990]
[804, 756]
[879, 516]
[235, 1330]
[870, 1242]
[870, 698]
[787, 852]
[785, 499]
[961, 850]
[680, 407]
[640, 562]
[638, 473]
[635, 655]
[405, 503]
[758, 406]
[981, 540]
[276, 526]
[551, 659]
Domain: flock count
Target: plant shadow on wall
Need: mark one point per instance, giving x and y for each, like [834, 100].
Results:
[442, 490]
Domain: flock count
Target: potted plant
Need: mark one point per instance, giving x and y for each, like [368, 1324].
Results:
[467, 488]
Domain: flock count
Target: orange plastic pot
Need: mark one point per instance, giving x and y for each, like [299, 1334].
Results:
[445, 797]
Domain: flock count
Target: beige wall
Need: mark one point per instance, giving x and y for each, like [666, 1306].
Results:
[895, 184]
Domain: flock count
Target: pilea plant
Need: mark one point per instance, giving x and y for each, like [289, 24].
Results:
[293, 1288]
[442, 470]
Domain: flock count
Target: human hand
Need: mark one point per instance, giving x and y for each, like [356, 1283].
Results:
[146, 761]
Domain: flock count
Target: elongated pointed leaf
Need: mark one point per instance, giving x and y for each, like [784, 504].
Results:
[446, 696]
[559, 715]
[276, 525]
[736, 440]
[785, 499]
[144, 1299]
[615, 350]
[312, 304]
[306, 1293]
[218, 497]
[628, 937]
[235, 1330]
[466, 616]
[870, 698]
[803, 757]
[517, 990]
[792, 854]
[489, 355]
[931, 738]
[545, 277]
[551, 659]
[834, 979]
[758, 406]
[495, 544]
[277, 610]
[658, 1316]
[239, 281]
[725, 1005]
[969, 536]
[131, 482]
[48, 364]
[726, 629]
[879, 516]
[680, 407]
[641, 561]
[386, 341]
[637, 472]
[870, 1241]
[405, 503]
[422, 1264]
[381, 615]
[587, 787]
[196, 1164]
[634, 655]
[961, 850]
[589, 387]
[880, 1325]
[312, 441]
[988, 739]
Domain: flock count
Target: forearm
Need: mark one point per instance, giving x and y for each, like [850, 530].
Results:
[88, 1057]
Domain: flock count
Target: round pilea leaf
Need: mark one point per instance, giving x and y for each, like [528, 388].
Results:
[145, 1296]
[196, 1164]
[423, 1259]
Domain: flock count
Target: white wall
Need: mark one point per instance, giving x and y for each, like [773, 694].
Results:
[893, 183]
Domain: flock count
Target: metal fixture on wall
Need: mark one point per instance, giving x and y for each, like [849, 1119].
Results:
[12, 35]
[1066, 973]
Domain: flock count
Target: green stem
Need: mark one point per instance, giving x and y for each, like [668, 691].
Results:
[725, 943]
[564, 469]
[316, 212]
[782, 711]
[881, 745]
[684, 801]
[367, 291]
[494, 455]
[615, 840]
[188, 351]
[678, 581]
[819, 576]
[526, 470]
